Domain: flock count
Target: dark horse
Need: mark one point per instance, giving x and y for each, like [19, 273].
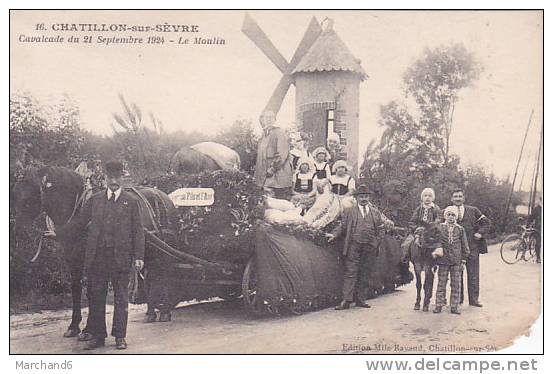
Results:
[57, 191]
[420, 254]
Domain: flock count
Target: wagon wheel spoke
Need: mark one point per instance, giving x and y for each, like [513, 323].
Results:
[249, 289]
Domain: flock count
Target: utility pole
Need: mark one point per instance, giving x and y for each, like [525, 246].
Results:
[524, 173]
[516, 172]
[535, 184]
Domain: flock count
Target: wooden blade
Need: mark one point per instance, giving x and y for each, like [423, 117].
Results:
[275, 102]
[309, 37]
[256, 35]
[311, 34]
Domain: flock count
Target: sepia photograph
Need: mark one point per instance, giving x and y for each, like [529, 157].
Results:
[275, 181]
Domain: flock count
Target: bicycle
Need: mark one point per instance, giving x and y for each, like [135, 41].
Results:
[517, 247]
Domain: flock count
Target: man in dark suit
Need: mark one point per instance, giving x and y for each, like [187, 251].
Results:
[476, 225]
[361, 224]
[115, 242]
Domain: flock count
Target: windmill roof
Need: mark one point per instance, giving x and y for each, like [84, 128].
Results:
[329, 53]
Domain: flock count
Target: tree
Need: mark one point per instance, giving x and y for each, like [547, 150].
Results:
[393, 168]
[43, 134]
[241, 137]
[434, 81]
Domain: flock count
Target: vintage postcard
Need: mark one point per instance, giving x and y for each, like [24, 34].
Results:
[275, 182]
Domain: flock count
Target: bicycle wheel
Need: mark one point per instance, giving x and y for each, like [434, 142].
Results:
[512, 249]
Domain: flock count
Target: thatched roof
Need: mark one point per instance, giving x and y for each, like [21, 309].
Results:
[329, 53]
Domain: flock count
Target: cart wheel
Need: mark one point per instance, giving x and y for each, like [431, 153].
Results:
[249, 290]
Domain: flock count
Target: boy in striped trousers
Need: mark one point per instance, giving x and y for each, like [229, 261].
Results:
[450, 258]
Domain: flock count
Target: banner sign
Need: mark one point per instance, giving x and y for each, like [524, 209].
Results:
[193, 197]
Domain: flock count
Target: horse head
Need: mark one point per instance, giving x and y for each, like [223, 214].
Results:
[26, 201]
[49, 189]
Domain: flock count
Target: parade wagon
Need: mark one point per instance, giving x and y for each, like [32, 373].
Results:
[226, 247]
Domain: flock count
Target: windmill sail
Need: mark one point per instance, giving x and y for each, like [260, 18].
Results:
[260, 39]
[311, 34]
[252, 30]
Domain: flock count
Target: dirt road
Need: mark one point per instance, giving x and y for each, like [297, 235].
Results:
[510, 294]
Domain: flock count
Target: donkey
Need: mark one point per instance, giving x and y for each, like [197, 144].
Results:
[59, 192]
[420, 255]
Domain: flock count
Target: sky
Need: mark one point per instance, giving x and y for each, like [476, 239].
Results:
[208, 87]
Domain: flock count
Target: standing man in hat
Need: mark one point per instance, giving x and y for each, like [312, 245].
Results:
[115, 243]
[361, 224]
[273, 170]
[476, 225]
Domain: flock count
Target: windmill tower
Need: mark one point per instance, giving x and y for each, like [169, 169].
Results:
[327, 78]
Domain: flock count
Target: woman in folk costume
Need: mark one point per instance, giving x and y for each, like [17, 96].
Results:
[451, 256]
[425, 214]
[341, 183]
[304, 192]
[300, 143]
[322, 167]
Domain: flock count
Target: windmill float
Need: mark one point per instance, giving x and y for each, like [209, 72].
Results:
[326, 76]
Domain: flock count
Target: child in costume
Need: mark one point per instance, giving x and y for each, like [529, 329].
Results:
[304, 192]
[322, 167]
[341, 183]
[450, 257]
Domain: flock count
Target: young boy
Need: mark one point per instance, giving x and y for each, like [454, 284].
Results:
[450, 258]
[425, 214]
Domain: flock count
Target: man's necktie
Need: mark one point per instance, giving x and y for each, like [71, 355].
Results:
[364, 211]
[112, 198]
[459, 216]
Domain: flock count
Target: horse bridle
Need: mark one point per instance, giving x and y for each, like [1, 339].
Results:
[79, 201]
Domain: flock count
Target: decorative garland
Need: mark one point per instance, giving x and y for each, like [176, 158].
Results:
[225, 230]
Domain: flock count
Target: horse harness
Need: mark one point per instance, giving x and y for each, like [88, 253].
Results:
[80, 201]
